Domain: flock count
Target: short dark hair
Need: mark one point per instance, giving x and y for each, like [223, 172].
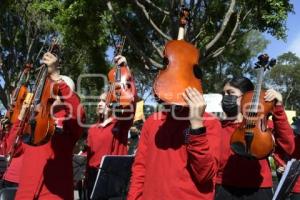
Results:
[242, 83]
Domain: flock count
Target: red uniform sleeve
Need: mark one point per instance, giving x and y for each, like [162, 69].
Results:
[283, 132]
[203, 151]
[10, 140]
[139, 167]
[71, 98]
[89, 144]
[74, 110]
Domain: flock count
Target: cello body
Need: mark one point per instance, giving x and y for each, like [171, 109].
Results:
[182, 59]
[181, 64]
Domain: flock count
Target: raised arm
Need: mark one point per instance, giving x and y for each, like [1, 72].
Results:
[282, 131]
[203, 139]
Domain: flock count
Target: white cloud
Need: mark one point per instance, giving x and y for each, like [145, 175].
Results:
[295, 45]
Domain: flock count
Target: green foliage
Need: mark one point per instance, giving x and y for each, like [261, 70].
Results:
[25, 27]
[230, 55]
[87, 28]
[269, 16]
[285, 77]
[235, 61]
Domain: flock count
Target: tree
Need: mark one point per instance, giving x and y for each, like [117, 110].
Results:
[214, 25]
[285, 77]
[87, 28]
[226, 32]
[25, 30]
[235, 61]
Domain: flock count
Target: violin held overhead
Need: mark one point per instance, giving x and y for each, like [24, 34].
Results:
[122, 89]
[253, 138]
[181, 64]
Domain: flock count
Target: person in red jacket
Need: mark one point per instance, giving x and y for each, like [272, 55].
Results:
[296, 154]
[15, 152]
[47, 172]
[240, 177]
[109, 136]
[177, 155]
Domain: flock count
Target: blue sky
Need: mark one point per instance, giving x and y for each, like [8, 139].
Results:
[277, 47]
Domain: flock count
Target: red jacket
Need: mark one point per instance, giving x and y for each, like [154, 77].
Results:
[2, 142]
[47, 169]
[109, 140]
[12, 173]
[241, 172]
[296, 154]
[167, 168]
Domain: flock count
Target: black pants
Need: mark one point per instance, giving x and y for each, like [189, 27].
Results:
[7, 184]
[92, 175]
[233, 193]
[295, 196]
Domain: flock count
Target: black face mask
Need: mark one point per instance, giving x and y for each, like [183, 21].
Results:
[229, 105]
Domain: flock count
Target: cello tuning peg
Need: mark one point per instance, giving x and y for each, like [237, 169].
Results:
[257, 65]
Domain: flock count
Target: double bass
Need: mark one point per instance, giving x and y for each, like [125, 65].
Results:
[181, 64]
[122, 90]
[253, 139]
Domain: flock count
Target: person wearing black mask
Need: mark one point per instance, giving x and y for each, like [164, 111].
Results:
[239, 177]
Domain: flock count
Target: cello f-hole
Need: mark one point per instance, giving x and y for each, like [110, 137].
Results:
[165, 63]
[198, 72]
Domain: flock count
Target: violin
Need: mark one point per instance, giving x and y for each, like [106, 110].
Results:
[253, 138]
[19, 94]
[39, 124]
[122, 90]
[181, 64]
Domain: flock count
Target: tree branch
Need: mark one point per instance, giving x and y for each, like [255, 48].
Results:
[134, 44]
[230, 40]
[158, 30]
[158, 8]
[288, 95]
[40, 51]
[29, 49]
[157, 49]
[223, 27]
[237, 24]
